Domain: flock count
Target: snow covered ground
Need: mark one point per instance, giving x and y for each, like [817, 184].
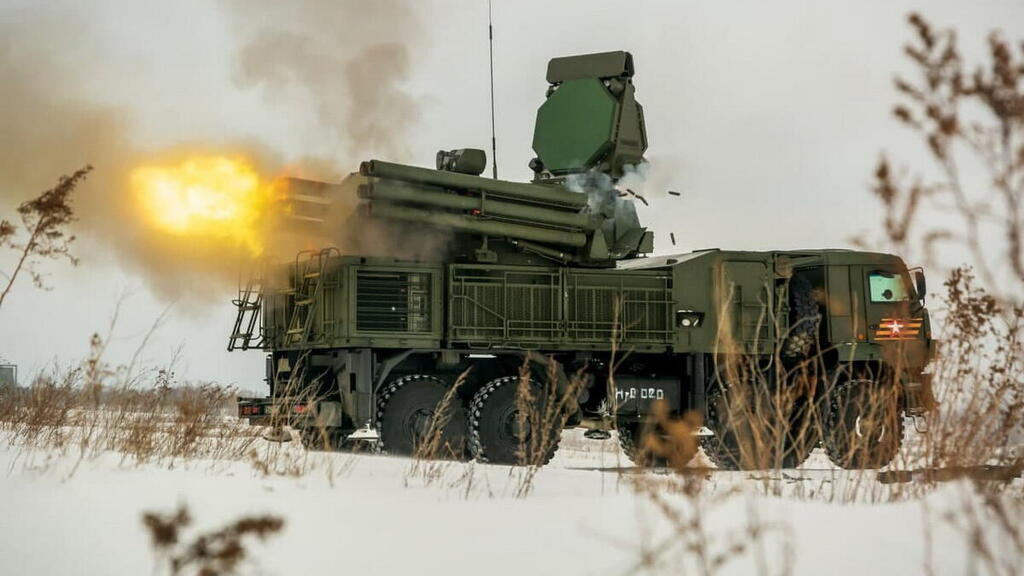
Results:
[366, 514]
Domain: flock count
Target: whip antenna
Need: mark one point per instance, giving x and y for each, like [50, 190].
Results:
[490, 47]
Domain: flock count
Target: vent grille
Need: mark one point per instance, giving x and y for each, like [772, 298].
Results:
[392, 301]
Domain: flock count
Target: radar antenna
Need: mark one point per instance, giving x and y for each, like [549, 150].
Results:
[494, 140]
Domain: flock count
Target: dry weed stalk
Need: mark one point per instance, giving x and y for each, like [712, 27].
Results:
[543, 410]
[990, 523]
[685, 503]
[979, 379]
[215, 553]
[971, 123]
[280, 456]
[759, 413]
[767, 409]
[45, 219]
[433, 456]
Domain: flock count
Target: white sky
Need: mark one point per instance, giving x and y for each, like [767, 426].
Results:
[768, 117]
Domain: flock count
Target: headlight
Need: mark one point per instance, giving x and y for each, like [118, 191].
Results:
[689, 318]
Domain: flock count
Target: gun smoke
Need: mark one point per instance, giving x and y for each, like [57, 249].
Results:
[303, 56]
[351, 75]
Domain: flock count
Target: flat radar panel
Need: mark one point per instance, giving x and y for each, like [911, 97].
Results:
[575, 126]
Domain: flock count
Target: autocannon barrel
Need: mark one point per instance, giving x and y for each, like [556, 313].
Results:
[402, 192]
[476, 225]
[553, 195]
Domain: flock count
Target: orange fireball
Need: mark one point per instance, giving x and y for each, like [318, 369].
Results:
[217, 198]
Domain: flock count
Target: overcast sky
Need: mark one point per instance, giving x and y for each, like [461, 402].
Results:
[767, 116]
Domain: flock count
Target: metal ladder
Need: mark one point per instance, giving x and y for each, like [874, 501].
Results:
[249, 304]
[308, 284]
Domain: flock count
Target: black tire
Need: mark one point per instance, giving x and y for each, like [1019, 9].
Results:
[864, 426]
[495, 433]
[675, 452]
[803, 320]
[742, 443]
[723, 449]
[406, 413]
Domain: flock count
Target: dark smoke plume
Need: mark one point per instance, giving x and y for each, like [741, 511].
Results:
[347, 60]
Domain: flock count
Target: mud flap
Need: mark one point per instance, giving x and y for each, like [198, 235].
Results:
[919, 398]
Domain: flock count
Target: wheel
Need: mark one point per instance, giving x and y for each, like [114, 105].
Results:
[658, 452]
[747, 437]
[864, 427]
[410, 423]
[803, 319]
[500, 434]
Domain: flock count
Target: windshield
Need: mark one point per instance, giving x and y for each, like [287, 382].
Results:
[887, 287]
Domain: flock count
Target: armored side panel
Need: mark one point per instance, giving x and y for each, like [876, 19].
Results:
[721, 301]
[632, 307]
[361, 302]
[558, 308]
[395, 304]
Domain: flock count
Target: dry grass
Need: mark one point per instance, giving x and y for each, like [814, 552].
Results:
[544, 410]
[64, 414]
[975, 435]
[144, 418]
[684, 502]
[434, 456]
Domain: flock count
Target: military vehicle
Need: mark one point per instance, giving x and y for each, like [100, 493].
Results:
[549, 286]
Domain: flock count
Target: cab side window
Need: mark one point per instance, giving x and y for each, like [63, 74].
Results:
[887, 287]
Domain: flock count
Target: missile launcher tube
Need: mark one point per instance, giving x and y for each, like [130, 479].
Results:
[553, 195]
[477, 225]
[395, 191]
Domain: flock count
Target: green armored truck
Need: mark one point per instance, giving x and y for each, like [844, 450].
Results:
[542, 298]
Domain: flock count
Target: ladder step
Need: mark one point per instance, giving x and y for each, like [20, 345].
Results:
[312, 275]
[304, 302]
[239, 335]
[296, 331]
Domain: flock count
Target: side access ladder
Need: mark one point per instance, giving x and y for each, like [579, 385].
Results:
[247, 332]
[308, 286]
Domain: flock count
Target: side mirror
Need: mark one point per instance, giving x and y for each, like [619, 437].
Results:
[920, 285]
